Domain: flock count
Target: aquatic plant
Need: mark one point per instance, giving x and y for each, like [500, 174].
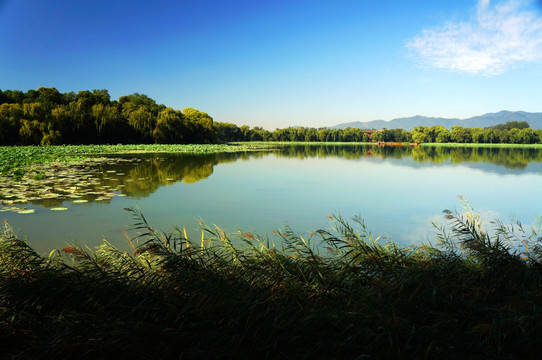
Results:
[335, 293]
[13, 159]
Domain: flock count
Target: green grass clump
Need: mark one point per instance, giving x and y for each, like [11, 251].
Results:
[333, 294]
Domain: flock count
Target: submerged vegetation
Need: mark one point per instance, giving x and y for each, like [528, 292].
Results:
[337, 293]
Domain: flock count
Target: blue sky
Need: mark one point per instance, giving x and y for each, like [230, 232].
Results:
[281, 63]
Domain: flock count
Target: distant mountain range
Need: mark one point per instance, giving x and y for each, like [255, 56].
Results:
[409, 123]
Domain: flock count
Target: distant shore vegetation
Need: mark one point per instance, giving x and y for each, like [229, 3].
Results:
[48, 117]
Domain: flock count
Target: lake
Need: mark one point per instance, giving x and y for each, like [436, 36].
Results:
[397, 191]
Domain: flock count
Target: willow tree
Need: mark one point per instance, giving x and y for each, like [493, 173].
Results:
[10, 119]
[111, 125]
[199, 126]
[170, 127]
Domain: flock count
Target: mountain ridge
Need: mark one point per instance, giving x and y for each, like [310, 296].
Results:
[490, 119]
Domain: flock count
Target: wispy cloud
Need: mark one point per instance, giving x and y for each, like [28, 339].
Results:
[493, 41]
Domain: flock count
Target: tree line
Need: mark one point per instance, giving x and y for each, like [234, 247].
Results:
[509, 133]
[48, 117]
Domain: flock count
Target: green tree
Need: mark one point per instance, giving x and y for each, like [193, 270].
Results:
[14, 96]
[31, 132]
[111, 125]
[443, 136]
[292, 134]
[492, 136]
[51, 137]
[170, 127]
[260, 134]
[61, 121]
[281, 135]
[311, 135]
[68, 98]
[10, 118]
[227, 132]
[478, 135]
[378, 136]
[47, 97]
[101, 97]
[527, 136]
[436, 133]
[401, 135]
[351, 134]
[510, 125]
[33, 123]
[34, 111]
[143, 122]
[199, 125]
[245, 133]
[504, 138]
[513, 136]
[81, 120]
[420, 134]
[322, 134]
[334, 135]
[461, 134]
[134, 101]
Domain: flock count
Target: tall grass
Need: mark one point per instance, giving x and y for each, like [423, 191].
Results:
[335, 293]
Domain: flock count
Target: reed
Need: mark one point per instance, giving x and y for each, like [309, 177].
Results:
[335, 293]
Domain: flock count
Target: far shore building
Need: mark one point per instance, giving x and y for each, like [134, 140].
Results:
[370, 132]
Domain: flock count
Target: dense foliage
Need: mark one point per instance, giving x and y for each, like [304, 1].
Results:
[509, 133]
[502, 134]
[510, 125]
[45, 117]
[333, 294]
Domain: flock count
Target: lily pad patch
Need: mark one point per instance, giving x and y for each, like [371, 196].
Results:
[64, 181]
[27, 211]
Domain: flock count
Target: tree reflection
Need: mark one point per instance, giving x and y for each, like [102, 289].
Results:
[145, 177]
[511, 158]
[141, 178]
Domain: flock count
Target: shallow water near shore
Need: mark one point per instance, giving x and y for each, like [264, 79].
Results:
[397, 191]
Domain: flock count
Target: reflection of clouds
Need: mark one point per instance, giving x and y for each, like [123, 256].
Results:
[518, 234]
[421, 231]
[490, 221]
[489, 216]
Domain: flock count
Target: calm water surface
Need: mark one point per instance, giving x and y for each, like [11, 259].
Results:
[397, 191]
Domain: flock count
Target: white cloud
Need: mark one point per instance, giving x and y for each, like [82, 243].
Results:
[498, 37]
